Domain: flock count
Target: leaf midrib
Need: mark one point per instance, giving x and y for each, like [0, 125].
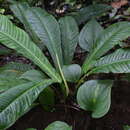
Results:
[24, 93]
[104, 43]
[37, 59]
[46, 30]
[91, 58]
[105, 65]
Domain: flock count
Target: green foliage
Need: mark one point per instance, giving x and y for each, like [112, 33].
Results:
[58, 125]
[47, 29]
[21, 84]
[17, 101]
[69, 37]
[10, 75]
[89, 12]
[9, 79]
[47, 99]
[106, 41]
[72, 72]
[18, 9]
[89, 34]
[5, 51]
[15, 38]
[16, 67]
[126, 127]
[95, 96]
[126, 77]
[33, 76]
[72, 2]
[119, 60]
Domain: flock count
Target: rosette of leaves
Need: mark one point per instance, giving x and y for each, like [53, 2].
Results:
[60, 37]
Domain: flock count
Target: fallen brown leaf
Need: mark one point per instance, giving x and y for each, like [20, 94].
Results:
[119, 4]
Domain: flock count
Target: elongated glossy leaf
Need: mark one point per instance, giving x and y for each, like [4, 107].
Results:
[72, 72]
[69, 36]
[89, 12]
[58, 125]
[16, 101]
[33, 75]
[19, 9]
[95, 96]
[17, 39]
[109, 38]
[89, 34]
[117, 62]
[47, 29]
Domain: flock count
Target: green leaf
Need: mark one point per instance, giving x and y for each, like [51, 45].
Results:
[126, 77]
[33, 75]
[16, 67]
[47, 29]
[5, 51]
[71, 2]
[109, 38]
[19, 10]
[95, 96]
[89, 34]
[72, 72]
[58, 125]
[9, 79]
[126, 127]
[84, 14]
[47, 99]
[15, 38]
[10, 75]
[117, 62]
[16, 101]
[69, 37]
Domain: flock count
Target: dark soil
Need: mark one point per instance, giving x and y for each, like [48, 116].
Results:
[118, 115]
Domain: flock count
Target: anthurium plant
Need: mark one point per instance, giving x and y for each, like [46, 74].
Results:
[22, 84]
